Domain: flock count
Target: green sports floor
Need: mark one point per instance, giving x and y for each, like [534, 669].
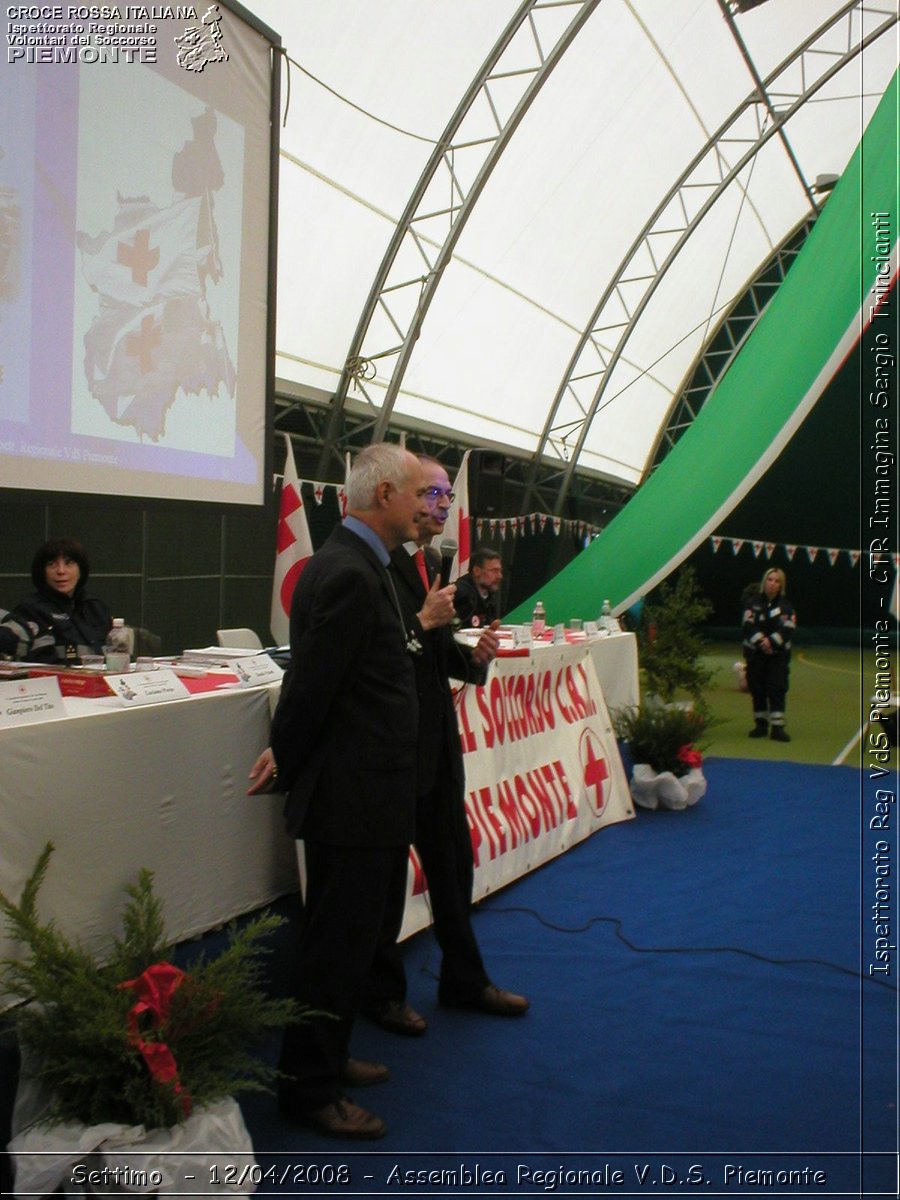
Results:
[824, 708]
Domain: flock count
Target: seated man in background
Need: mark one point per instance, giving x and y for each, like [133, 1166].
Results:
[476, 592]
[58, 622]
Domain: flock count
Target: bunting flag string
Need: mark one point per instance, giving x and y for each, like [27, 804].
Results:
[535, 523]
[789, 549]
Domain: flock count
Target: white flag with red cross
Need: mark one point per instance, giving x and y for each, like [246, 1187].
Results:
[459, 522]
[293, 548]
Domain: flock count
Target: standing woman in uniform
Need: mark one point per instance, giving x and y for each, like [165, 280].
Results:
[769, 625]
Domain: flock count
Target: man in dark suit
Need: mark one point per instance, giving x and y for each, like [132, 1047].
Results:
[344, 747]
[442, 836]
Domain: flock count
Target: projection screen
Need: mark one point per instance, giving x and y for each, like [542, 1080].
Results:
[137, 178]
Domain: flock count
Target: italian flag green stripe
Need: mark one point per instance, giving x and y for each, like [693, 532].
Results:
[830, 295]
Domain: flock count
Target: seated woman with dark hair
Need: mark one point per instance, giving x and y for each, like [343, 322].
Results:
[58, 622]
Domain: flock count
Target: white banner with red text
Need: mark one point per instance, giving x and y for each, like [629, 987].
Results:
[543, 770]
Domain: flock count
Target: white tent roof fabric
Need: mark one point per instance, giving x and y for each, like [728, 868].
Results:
[640, 90]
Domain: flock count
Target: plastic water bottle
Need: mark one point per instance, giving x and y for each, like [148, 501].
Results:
[117, 647]
[607, 620]
[538, 620]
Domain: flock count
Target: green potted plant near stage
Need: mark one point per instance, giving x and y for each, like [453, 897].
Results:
[670, 641]
[662, 743]
[131, 1064]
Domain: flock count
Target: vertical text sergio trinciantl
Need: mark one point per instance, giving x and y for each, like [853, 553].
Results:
[880, 520]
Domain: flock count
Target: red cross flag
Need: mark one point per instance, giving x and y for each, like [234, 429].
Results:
[459, 521]
[293, 549]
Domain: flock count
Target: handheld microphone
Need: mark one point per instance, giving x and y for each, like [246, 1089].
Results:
[448, 550]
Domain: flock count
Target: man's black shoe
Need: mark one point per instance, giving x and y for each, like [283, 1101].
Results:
[492, 1000]
[340, 1119]
[396, 1016]
[359, 1073]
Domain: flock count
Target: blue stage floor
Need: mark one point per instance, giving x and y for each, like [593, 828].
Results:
[697, 1010]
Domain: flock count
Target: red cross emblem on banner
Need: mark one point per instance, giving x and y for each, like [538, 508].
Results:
[593, 764]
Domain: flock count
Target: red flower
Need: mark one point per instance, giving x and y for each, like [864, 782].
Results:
[689, 756]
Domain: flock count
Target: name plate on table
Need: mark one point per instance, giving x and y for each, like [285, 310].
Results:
[256, 670]
[147, 687]
[23, 701]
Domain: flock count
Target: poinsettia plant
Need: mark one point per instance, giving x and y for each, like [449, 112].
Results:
[135, 1039]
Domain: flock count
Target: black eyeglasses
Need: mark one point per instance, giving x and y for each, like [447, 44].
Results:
[435, 493]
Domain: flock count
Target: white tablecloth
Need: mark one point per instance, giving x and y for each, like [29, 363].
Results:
[164, 787]
[616, 663]
[161, 786]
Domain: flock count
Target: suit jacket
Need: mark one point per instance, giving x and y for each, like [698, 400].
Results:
[441, 657]
[344, 731]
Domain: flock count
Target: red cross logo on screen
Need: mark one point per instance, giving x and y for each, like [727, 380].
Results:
[138, 256]
[593, 764]
[141, 345]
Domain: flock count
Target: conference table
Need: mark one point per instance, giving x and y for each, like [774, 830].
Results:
[163, 786]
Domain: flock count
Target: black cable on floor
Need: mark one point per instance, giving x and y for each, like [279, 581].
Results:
[617, 923]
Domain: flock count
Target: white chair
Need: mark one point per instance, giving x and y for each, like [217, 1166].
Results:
[239, 639]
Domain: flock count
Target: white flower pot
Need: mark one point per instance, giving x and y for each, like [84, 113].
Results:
[211, 1153]
[643, 786]
[652, 789]
[694, 784]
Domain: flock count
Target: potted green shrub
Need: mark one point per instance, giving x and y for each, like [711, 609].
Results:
[131, 1064]
[670, 641]
[662, 743]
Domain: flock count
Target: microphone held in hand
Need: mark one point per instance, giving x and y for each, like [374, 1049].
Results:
[448, 550]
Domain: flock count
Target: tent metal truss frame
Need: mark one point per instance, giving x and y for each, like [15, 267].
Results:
[404, 301]
[726, 340]
[619, 308]
[305, 419]
[590, 497]
[552, 478]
